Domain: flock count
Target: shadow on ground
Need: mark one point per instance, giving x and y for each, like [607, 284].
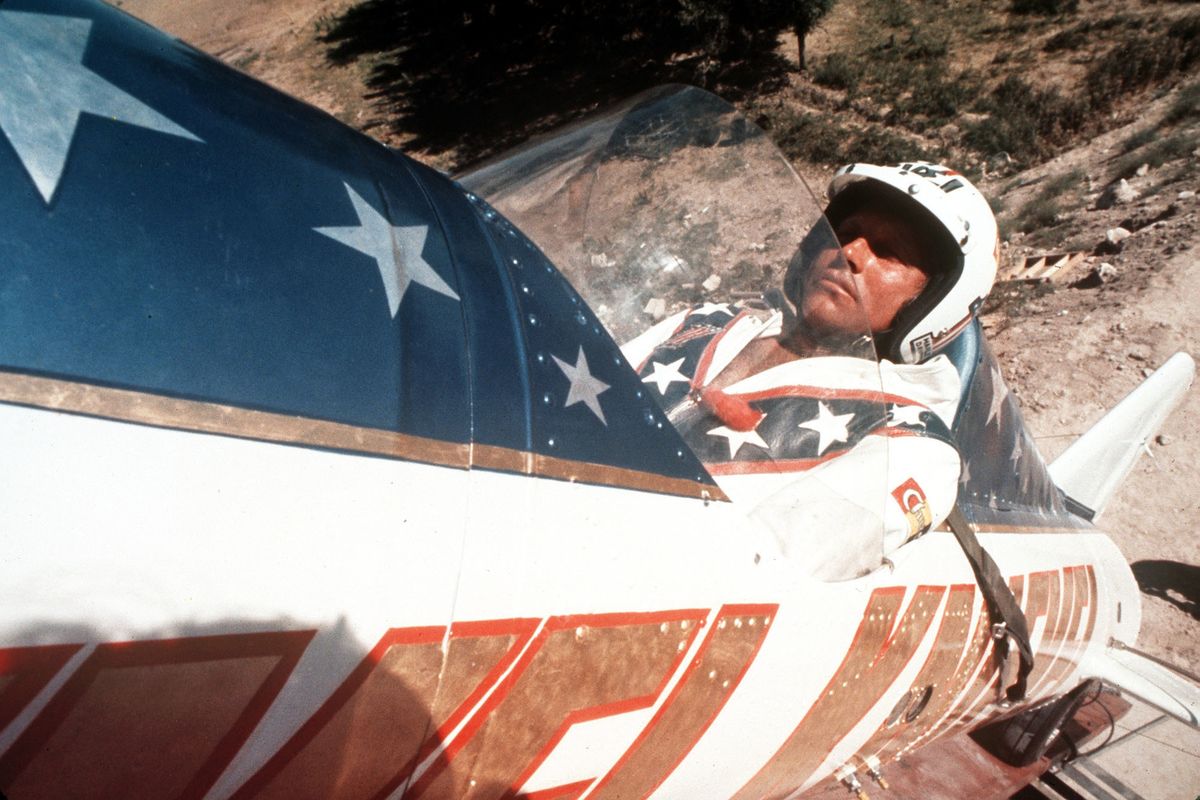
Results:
[1178, 584]
[470, 78]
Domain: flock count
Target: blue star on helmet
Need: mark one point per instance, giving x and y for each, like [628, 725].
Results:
[45, 88]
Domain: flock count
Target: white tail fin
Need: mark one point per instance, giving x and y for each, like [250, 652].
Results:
[1092, 468]
[1146, 678]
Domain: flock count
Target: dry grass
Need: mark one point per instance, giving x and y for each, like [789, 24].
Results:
[967, 81]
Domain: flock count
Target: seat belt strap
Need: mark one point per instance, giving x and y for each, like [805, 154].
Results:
[1008, 621]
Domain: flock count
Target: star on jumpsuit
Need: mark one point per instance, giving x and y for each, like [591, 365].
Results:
[585, 387]
[907, 415]
[45, 88]
[665, 374]
[396, 249]
[738, 438]
[830, 427]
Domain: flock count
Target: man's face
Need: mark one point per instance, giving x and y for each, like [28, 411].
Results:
[881, 273]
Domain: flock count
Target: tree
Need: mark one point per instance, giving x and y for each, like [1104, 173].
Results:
[731, 28]
[807, 14]
[473, 77]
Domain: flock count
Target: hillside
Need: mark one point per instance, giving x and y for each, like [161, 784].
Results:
[1050, 112]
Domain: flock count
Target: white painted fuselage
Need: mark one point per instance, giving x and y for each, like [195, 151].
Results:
[616, 618]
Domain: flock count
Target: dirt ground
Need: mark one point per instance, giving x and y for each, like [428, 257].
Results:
[1070, 351]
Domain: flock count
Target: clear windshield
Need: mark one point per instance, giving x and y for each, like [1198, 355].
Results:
[671, 200]
[703, 252]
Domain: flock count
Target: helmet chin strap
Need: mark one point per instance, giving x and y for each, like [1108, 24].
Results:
[887, 342]
[776, 298]
[883, 343]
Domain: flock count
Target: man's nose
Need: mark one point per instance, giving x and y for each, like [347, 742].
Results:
[858, 254]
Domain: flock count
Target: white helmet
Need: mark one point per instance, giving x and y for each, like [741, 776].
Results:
[960, 217]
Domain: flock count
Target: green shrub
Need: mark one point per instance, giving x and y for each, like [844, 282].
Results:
[1061, 184]
[1087, 32]
[1070, 39]
[814, 138]
[1186, 105]
[1046, 8]
[1025, 121]
[1136, 63]
[839, 71]
[1156, 154]
[1043, 209]
[809, 137]
[1144, 58]
[878, 145]
[1139, 139]
[925, 45]
[1186, 31]
[939, 98]
[894, 13]
[1040, 212]
[888, 80]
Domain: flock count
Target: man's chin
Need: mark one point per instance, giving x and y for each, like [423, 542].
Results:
[832, 333]
[834, 316]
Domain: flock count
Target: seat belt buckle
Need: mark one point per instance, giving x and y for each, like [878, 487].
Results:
[1008, 666]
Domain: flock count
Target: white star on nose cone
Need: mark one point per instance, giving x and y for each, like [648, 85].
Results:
[999, 392]
[44, 87]
[1017, 450]
[829, 427]
[738, 438]
[397, 250]
[585, 388]
[665, 374]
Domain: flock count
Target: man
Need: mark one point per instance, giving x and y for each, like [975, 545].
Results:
[785, 408]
